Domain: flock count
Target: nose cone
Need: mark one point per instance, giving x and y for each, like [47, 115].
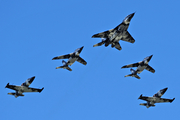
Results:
[129, 17]
[31, 79]
[80, 49]
[149, 58]
[163, 90]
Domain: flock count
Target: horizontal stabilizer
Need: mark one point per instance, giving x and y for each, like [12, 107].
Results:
[59, 67]
[64, 67]
[136, 76]
[147, 105]
[68, 68]
[117, 46]
[143, 104]
[99, 44]
[128, 75]
[15, 94]
[132, 75]
[11, 93]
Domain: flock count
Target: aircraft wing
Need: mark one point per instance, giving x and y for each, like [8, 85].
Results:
[149, 68]
[118, 46]
[164, 100]
[131, 65]
[81, 61]
[28, 89]
[99, 44]
[13, 87]
[155, 99]
[62, 57]
[144, 98]
[127, 37]
[104, 34]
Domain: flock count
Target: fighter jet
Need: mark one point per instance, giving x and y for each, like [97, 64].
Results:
[72, 57]
[23, 88]
[140, 67]
[114, 35]
[155, 99]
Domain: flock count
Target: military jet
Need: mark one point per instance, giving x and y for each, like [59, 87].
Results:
[155, 99]
[140, 67]
[72, 57]
[23, 88]
[114, 35]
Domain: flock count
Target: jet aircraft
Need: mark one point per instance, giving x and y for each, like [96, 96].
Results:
[140, 67]
[23, 88]
[114, 35]
[155, 99]
[72, 57]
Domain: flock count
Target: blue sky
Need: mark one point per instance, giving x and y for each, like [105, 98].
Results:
[33, 32]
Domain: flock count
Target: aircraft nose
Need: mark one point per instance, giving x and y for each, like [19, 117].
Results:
[164, 90]
[150, 57]
[31, 79]
[131, 16]
[81, 49]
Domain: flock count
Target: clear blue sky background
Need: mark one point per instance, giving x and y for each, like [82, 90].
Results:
[32, 32]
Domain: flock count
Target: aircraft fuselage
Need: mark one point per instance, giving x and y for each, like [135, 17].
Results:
[71, 60]
[120, 32]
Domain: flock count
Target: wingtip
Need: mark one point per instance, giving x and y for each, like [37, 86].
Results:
[41, 90]
[7, 85]
[54, 58]
[122, 67]
[140, 96]
[92, 36]
[172, 100]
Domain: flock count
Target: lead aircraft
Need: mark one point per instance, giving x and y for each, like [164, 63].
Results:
[23, 88]
[155, 99]
[114, 35]
[140, 67]
[72, 57]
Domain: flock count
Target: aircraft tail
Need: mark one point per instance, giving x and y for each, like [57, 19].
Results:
[16, 94]
[132, 75]
[147, 105]
[64, 67]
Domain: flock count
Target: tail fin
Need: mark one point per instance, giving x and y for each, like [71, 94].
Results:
[99, 44]
[64, 67]
[132, 75]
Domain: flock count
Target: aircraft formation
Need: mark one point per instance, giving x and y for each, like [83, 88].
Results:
[108, 37]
